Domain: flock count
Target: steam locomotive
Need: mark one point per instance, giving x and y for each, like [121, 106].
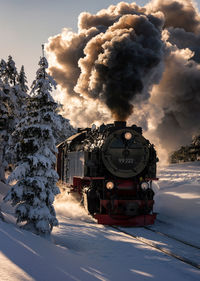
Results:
[111, 169]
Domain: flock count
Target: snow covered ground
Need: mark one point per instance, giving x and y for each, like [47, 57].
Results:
[178, 200]
[82, 250]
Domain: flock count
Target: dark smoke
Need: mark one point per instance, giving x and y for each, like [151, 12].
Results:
[124, 56]
[183, 40]
[114, 54]
[127, 56]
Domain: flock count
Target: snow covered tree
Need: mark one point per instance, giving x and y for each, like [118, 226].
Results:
[3, 71]
[20, 90]
[4, 121]
[11, 70]
[64, 130]
[8, 75]
[20, 93]
[34, 192]
[22, 80]
[15, 87]
[7, 113]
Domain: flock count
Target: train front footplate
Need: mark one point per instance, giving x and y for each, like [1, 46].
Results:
[120, 220]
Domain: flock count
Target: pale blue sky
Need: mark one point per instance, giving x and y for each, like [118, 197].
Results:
[26, 24]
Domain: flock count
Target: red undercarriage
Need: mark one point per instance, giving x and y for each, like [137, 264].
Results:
[125, 220]
[121, 220]
[118, 212]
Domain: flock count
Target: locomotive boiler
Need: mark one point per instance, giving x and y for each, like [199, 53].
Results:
[111, 169]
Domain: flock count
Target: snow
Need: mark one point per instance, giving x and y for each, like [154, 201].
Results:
[80, 249]
[178, 200]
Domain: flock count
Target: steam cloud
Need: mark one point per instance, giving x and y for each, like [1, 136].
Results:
[126, 55]
[178, 94]
[115, 58]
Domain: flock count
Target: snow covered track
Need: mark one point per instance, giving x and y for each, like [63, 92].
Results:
[182, 250]
[172, 237]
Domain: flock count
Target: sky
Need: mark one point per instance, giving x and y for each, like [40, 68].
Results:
[26, 24]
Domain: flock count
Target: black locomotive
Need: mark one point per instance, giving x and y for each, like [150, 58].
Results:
[111, 168]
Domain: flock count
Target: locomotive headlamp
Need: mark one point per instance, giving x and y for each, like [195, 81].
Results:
[144, 185]
[128, 135]
[110, 185]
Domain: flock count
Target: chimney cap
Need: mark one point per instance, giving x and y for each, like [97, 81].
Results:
[120, 124]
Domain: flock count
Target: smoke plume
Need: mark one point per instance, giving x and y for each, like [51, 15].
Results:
[129, 57]
[114, 58]
[177, 13]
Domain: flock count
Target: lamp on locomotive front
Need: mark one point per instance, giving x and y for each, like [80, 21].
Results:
[128, 136]
[109, 185]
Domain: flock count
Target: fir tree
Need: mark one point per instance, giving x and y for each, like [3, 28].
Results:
[64, 130]
[7, 113]
[11, 70]
[4, 121]
[22, 80]
[21, 93]
[34, 192]
[8, 75]
[3, 71]
[15, 86]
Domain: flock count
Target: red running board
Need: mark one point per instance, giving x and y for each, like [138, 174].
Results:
[125, 221]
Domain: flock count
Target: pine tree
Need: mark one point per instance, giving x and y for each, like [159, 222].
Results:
[34, 192]
[4, 121]
[11, 70]
[3, 71]
[12, 100]
[16, 85]
[8, 75]
[64, 130]
[6, 117]
[20, 90]
[22, 80]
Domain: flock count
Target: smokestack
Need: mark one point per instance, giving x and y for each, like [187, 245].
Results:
[120, 124]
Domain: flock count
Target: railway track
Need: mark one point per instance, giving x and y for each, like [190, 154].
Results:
[181, 249]
[172, 237]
